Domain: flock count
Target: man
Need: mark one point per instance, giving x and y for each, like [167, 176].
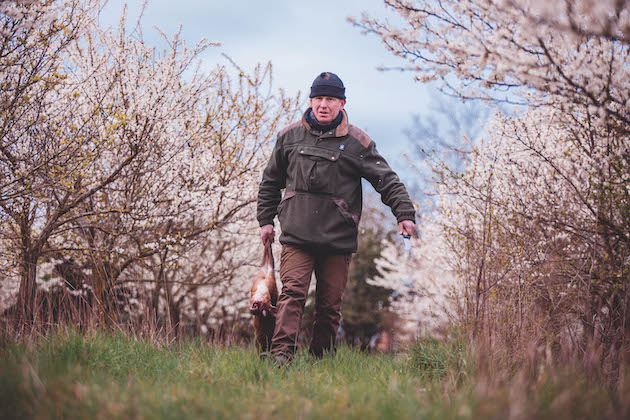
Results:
[320, 161]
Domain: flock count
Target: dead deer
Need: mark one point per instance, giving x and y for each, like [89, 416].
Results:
[263, 300]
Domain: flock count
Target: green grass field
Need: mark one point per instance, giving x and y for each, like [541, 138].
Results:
[111, 376]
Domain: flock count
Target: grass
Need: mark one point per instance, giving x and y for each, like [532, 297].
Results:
[435, 359]
[112, 376]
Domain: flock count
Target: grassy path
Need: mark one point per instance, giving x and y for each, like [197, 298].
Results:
[108, 377]
[105, 376]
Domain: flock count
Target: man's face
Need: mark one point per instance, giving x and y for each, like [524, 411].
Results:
[326, 108]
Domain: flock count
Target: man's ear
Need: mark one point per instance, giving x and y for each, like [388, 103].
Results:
[343, 103]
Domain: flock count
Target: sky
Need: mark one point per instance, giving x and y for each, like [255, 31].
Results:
[303, 39]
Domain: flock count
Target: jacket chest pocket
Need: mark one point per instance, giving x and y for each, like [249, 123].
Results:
[316, 169]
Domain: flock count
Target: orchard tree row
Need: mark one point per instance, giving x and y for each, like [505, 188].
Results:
[127, 173]
[535, 224]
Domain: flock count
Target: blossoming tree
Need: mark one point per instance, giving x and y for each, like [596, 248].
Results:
[128, 163]
[538, 221]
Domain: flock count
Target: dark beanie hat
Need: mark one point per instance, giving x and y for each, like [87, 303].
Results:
[328, 84]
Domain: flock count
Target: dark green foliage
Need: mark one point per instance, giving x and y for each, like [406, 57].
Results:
[365, 309]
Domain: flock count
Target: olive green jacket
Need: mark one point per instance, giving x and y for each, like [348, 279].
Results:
[321, 173]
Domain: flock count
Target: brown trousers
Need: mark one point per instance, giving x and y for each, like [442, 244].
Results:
[296, 269]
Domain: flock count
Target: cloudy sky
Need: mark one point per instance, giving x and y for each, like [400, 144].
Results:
[302, 39]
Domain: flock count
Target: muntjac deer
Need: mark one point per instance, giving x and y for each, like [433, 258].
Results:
[263, 300]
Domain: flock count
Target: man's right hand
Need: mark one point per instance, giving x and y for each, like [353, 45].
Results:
[267, 233]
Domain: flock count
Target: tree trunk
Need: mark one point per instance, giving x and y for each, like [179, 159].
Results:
[27, 303]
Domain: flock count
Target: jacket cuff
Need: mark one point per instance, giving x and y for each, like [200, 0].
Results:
[406, 216]
[265, 222]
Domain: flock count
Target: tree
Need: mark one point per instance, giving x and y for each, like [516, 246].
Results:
[34, 38]
[538, 221]
[530, 51]
[131, 163]
[365, 309]
[424, 285]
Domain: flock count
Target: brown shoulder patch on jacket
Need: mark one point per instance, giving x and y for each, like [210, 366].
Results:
[289, 128]
[360, 135]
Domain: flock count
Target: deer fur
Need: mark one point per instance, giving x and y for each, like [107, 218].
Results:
[263, 298]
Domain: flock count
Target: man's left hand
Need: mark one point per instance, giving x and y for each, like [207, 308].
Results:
[407, 227]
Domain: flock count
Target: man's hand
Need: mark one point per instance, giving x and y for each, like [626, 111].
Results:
[407, 227]
[267, 233]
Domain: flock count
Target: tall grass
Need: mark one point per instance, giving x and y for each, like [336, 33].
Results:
[111, 375]
[435, 359]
